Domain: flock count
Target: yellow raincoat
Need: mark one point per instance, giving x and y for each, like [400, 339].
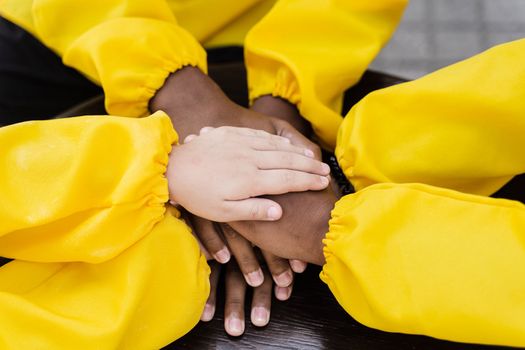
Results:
[418, 249]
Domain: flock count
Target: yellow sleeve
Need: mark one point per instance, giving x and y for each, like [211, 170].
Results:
[127, 46]
[145, 298]
[418, 259]
[461, 127]
[310, 52]
[81, 189]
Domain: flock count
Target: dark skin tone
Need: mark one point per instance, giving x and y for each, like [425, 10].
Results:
[192, 100]
[295, 235]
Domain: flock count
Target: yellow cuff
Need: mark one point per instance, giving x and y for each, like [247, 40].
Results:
[274, 79]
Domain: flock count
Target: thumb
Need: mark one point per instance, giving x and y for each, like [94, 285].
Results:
[252, 209]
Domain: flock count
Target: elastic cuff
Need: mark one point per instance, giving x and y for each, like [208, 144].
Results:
[276, 80]
[338, 226]
[168, 137]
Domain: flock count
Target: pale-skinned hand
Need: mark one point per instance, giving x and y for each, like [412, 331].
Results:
[217, 175]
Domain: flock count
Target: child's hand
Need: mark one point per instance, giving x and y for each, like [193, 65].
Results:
[217, 174]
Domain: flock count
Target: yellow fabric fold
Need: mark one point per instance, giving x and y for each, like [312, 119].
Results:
[101, 262]
[414, 258]
[81, 189]
[461, 127]
[145, 298]
[418, 259]
[310, 52]
[129, 47]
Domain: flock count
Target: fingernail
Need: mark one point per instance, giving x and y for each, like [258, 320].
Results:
[207, 314]
[298, 266]
[260, 316]
[255, 278]
[222, 256]
[235, 326]
[325, 168]
[273, 213]
[309, 153]
[282, 293]
[189, 138]
[284, 279]
[324, 180]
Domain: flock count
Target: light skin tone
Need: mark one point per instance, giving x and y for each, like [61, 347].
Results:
[219, 174]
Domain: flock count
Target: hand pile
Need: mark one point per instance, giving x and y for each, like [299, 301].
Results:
[259, 180]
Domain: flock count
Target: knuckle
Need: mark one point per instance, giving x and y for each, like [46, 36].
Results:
[287, 159]
[235, 301]
[223, 130]
[271, 144]
[246, 262]
[213, 241]
[264, 291]
[261, 133]
[288, 177]
[229, 232]
[255, 211]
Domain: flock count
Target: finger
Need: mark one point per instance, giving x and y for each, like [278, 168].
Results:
[190, 138]
[279, 181]
[262, 302]
[211, 239]
[206, 130]
[252, 209]
[298, 266]
[283, 293]
[279, 144]
[279, 268]
[209, 308]
[234, 302]
[298, 139]
[255, 133]
[285, 160]
[245, 256]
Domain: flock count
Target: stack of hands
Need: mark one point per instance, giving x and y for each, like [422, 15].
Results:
[252, 185]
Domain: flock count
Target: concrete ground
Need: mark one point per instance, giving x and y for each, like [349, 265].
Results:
[436, 33]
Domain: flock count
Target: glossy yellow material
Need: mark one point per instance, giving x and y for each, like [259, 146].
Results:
[422, 258]
[419, 259]
[100, 262]
[460, 127]
[129, 47]
[310, 52]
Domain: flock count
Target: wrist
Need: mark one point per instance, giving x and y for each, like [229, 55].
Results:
[181, 89]
[192, 100]
[321, 228]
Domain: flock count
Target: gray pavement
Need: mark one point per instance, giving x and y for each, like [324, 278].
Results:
[436, 33]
